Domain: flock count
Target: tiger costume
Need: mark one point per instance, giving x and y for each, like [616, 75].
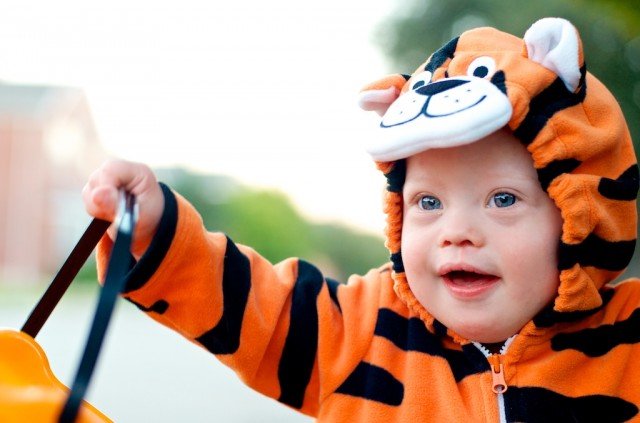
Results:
[367, 350]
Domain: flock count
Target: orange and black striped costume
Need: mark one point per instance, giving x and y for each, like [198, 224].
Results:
[366, 350]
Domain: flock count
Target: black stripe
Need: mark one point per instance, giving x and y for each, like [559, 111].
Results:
[396, 260]
[597, 252]
[623, 188]
[373, 383]
[553, 99]
[444, 53]
[396, 176]
[159, 307]
[406, 334]
[596, 342]
[499, 80]
[439, 328]
[224, 338]
[150, 261]
[412, 335]
[299, 353]
[333, 286]
[548, 316]
[554, 169]
[470, 362]
[540, 405]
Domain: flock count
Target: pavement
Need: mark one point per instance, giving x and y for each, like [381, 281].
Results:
[145, 372]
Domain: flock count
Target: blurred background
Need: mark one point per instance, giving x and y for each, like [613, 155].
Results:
[248, 109]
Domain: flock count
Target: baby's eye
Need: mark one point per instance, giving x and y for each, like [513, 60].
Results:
[502, 199]
[429, 203]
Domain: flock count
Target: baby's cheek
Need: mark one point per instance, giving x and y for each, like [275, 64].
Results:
[411, 258]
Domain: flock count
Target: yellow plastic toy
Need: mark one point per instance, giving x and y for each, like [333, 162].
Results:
[29, 391]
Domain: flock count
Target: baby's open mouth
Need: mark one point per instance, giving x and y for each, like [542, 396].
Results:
[464, 277]
[468, 284]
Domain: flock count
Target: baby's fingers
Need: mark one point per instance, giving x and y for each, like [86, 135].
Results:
[101, 201]
[101, 197]
[100, 194]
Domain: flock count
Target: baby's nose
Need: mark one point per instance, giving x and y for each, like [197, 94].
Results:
[460, 229]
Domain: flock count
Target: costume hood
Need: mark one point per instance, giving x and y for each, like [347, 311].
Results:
[574, 129]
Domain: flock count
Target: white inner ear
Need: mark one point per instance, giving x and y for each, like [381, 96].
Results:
[554, 43]
[377, 100]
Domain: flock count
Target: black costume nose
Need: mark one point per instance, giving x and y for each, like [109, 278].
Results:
[440, 86]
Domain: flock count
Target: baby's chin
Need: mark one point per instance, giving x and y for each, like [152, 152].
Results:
[488, 333]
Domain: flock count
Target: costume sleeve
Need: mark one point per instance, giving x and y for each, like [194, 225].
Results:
[286, 330]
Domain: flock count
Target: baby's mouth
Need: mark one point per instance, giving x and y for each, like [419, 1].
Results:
[466, 281]
[465, 277]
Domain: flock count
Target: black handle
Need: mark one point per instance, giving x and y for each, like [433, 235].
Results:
[119, 264]
[64, 277]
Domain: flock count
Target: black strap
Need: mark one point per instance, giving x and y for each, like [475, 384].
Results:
[64, 277]
[119, 265]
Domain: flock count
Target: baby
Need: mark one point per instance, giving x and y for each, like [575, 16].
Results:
[510, 208]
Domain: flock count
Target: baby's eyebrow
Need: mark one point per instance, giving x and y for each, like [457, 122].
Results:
[414, 189]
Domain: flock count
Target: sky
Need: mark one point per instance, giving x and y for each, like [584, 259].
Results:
[262, 91]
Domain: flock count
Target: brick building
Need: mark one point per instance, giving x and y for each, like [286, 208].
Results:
[48, 146]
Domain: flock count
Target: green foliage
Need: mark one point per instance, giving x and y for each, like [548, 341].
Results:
[609, 29]
[88, 273]
[624, 15]
[268, 222]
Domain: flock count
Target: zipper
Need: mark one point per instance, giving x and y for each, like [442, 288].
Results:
[497, 370]
[499, 384]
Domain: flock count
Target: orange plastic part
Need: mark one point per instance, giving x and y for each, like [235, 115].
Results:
[29, 391]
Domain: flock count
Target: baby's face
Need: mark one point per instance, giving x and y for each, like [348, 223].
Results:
[480, 237]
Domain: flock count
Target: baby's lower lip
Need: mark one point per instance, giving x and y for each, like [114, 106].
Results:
[469, 285]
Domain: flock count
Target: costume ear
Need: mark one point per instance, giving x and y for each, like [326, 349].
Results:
[554, 43]
[379, 95]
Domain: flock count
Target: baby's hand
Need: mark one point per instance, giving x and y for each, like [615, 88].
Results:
[100, 196]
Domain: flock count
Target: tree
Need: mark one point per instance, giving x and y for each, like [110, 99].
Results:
[623, 14]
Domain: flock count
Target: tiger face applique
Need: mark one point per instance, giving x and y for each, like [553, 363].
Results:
[471, 87]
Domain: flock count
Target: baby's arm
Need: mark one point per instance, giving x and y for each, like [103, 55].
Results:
[286, 330]
[100, 196]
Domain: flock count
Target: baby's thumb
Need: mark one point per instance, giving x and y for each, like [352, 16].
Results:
[103, 203]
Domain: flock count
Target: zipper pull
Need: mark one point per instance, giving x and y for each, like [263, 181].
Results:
[497, 370]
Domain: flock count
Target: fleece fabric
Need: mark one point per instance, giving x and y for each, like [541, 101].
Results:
[366, 350]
